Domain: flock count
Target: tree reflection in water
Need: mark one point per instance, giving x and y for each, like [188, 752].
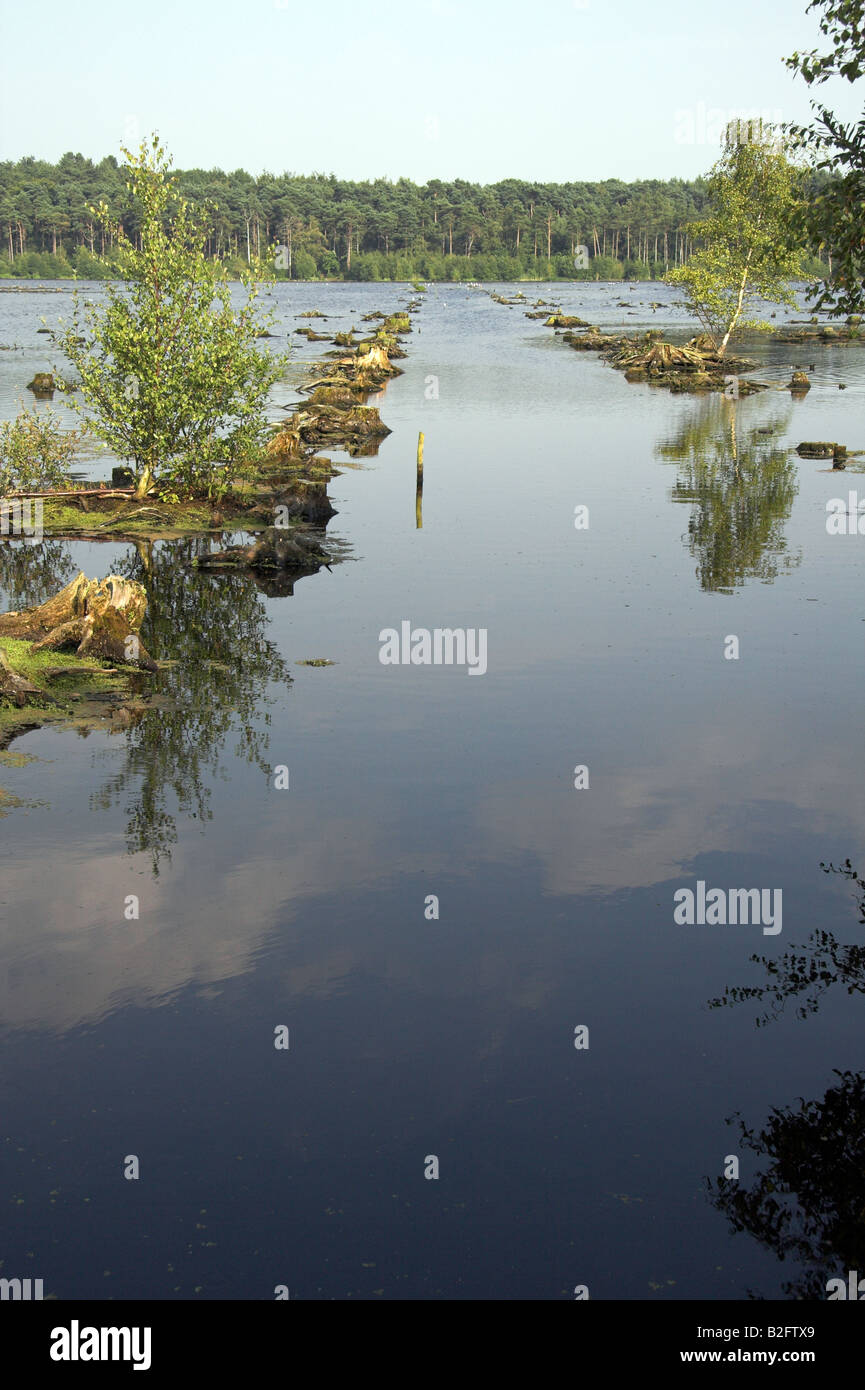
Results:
[741, 485]
[808, 1205]
[212, 629]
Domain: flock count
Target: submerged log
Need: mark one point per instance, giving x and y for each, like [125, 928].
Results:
[820, 449]
[341, 395]
[315, 424]
[303, 499]
[99, 618]
[42, 384]
[694, 366]
[591, 340]
[278, 548]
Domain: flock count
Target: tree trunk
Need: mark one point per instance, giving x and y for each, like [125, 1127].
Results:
[99, 618]
[734, 320]
[144, 484]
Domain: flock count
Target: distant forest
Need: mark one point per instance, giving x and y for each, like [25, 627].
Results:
[330, 228]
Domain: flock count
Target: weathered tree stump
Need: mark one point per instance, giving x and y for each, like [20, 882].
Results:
[99, 618]
[371, 365]
[42, 384]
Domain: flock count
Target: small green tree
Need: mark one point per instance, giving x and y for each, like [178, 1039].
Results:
[834, 216]
[168, 367]
[749, 251]
[35, 452]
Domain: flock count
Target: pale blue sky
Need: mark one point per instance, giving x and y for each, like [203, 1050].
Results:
[554, 90]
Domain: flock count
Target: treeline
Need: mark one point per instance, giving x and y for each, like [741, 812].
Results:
[330, 228]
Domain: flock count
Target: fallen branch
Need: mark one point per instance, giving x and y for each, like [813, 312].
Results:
[79, 492]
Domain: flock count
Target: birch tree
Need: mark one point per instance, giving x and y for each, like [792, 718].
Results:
[747, 251]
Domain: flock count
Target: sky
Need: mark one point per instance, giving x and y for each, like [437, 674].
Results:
[553, 91]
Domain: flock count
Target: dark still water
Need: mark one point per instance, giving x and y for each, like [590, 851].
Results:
[423, 1044]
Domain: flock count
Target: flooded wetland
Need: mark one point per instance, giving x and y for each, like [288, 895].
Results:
[309, 917]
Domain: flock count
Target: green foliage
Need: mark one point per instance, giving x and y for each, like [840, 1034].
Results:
[438, 231]
[749, 251]
[605, 268]
[513, 228]
[36, 265]
[843, 22]
[88, 266]
[35, 453]
[303, 267]
[834, 219]
[740, 485]
[168, 367]
[328, 265]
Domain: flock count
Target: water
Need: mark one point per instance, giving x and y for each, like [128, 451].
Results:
[305, 908]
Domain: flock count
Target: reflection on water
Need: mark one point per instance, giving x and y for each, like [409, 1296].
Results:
[214, 635]
[805, 973]
[806, 1205]
[740, 484]
[31, 574]
[306, 908]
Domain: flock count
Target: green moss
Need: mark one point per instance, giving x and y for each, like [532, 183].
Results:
[8, 759]
[8, 802]
[81, 691]
[138, 519]
[84, 671]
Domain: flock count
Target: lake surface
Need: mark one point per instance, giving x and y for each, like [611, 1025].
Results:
[410, 1036]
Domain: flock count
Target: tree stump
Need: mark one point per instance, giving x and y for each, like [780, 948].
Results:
[99, 618]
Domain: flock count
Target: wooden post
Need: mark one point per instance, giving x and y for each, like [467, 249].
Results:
[418, 504]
